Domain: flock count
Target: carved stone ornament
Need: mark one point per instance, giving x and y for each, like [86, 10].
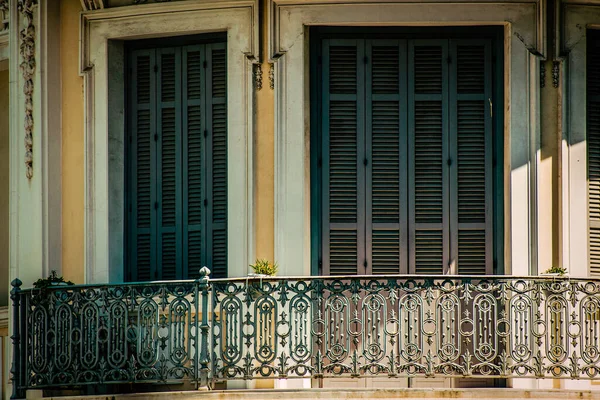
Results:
[90, 5]
[4, 16]
[27, 50]
[258, 79]
[272, 75]
[555, 73]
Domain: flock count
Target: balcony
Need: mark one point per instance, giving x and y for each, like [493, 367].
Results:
[191, 334]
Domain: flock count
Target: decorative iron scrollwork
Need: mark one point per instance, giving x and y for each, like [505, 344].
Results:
[224, 329]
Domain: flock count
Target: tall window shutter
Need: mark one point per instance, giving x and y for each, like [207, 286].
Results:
[428, 155]
[593, 149]
[386, 143]
[471, 147]
[178, 179]
[407, 156]
[194, 87]
[343, 126]
[217, 126]
[168, 179]
[142, 217]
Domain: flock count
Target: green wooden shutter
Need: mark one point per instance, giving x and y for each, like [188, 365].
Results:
[470, 137]
[194, 87]
[343, 152]
[178, 162]
[428, 155]
[142, 104]
[216, 108]
[168, 179]
[386, 143]
[593, 149]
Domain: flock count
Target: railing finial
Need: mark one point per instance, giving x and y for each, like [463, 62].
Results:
[204, 272]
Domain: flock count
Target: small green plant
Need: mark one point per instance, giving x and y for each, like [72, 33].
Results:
[264, 267]
[52, 280]
[556, 270]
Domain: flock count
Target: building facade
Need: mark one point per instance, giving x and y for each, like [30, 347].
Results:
[142, 140]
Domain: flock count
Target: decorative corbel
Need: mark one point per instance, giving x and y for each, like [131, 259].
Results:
[555, 73]
[27, 51]
[90, 5]
[258, 79]
[4, 15]
[272, 76]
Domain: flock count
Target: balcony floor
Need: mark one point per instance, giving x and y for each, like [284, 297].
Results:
[421, 394]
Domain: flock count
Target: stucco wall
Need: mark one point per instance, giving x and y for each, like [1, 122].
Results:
[4, 189]
[72, 144]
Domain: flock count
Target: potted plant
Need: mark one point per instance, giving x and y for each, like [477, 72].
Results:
[556, 271]
[51, 281]
[262, 268]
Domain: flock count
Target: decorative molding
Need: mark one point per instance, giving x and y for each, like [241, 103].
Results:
[555, 73]
[27, 50]
[542, 74]
[146, 1]
[400, 12]
[91, 5]
[258, 76]
[272, 76]
[4, 5]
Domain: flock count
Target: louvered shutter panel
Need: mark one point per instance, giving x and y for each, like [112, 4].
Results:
[178, 162]
[342, 163]
[385, 137]
[194, 87]
[593, 149]
[216, 100]
[428, 177]
[169, 174]
[142, 153]
[471, 147]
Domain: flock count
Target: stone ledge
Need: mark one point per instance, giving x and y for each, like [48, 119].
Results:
[421, 394]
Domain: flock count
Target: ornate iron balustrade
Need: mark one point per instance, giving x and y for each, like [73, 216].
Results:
[309, 327]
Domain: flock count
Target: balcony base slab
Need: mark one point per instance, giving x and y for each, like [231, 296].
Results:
[421, 394]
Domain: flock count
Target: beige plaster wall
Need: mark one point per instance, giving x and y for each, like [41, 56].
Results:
[72, 144]
[264, 135]
[4, 189]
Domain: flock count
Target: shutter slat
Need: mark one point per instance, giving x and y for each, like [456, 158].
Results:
[471, 162]
[143, 169]
[429, 252]
[428, 69]
[428, 159]
[471, 69]
[144, 254]
[385, 69]
[169, 167]
[471, 252]
[386, 252]
[342, 252]
[593, 150]
[219, 160]
[194, 75]
[386, 162]
[342, 69]
[195, 150]
[342, 162]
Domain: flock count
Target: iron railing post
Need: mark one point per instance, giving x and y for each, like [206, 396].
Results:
[204, 327]
[15, 296]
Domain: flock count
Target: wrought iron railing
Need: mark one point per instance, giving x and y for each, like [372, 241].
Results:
[308, 327]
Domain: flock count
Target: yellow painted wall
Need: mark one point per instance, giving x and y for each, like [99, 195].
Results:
[72, 144]
[4, 188]
[264, 156]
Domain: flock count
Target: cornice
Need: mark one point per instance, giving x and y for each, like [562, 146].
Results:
[535, 42]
